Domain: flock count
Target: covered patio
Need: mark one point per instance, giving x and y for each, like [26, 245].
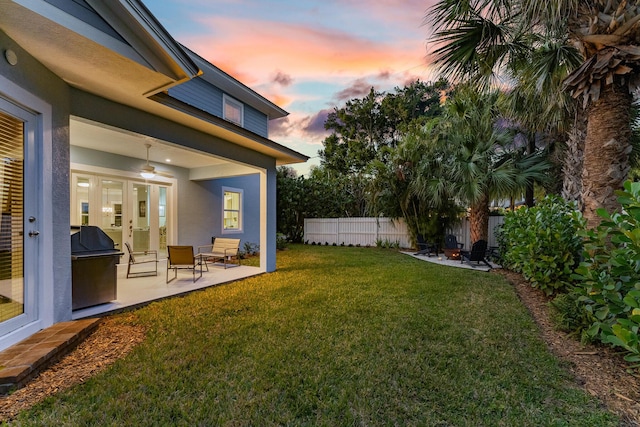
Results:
[137, 291]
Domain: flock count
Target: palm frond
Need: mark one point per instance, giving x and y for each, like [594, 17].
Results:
[476, 48]
[551, 14]
[551, 63]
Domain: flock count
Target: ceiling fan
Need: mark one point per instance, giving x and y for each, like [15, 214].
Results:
[147, 171]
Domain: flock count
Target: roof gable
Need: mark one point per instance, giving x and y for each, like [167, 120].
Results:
[115, 48]
[81, 10]
[228, 84]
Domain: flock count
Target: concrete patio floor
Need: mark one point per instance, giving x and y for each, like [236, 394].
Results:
[442, 260]
[137, 291]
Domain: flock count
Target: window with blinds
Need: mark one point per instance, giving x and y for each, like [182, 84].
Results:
[11, 223]
[233, 110]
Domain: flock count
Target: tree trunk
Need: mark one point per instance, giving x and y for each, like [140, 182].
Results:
[479, 219]
[573, 161]
[528, 193]
[606, 151]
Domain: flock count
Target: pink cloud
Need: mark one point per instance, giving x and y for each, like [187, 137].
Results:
[253, 50]
[358, 89]
[282, 79]
[315, 124]
[280, 128]
[309, 127]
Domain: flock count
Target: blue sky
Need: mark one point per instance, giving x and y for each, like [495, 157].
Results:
[306, 56]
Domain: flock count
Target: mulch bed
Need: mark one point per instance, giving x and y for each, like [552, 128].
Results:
[110, 341]
[600, 370]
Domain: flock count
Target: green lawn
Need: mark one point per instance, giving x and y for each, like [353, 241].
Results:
[336, 337]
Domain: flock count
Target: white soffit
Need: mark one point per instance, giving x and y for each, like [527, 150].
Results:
[84, 56]
[117, 141]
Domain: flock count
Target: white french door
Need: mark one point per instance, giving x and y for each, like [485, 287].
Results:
[141, 218]
[130, 211]
[149, 211]
[111, 193]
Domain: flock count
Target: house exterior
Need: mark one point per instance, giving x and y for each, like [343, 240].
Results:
[92, 93]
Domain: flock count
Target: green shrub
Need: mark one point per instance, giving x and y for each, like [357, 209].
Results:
[543, 243]
[250, 249]
[610, 275]
[387, 244]
[281, 241]
[568, 314]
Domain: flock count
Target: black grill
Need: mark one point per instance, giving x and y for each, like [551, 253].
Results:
[88, 240]
[94, 260]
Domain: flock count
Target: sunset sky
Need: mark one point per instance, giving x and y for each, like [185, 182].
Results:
[307, 56]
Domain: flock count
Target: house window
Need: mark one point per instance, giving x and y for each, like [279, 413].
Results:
[233, 110]
[232, 210]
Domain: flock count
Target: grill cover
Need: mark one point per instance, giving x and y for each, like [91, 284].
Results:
[93, 267]
[89, 240]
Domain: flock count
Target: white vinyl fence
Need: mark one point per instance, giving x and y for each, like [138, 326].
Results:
[355, 231]
[368, 231]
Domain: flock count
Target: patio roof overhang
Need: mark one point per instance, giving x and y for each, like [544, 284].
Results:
[142, 61]
[135, 69]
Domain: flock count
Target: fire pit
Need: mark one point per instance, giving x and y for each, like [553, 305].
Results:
[451, 253]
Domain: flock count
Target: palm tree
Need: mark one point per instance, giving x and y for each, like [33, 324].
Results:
[391, 189]
[480, 39]
[476, 160]
[547, 116]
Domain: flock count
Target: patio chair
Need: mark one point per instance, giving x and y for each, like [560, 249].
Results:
[222, 249]
[477, 253]
[451, 242]
[182, 258]
[424, 247]
[146, 258]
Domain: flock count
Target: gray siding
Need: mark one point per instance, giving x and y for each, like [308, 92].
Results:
[206, 97]
[255, 121]
[250, 185]
[38, 80]
[199, 94]
[80, 9]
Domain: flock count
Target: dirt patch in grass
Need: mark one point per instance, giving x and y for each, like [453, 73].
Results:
[111, 340]
[600, 370]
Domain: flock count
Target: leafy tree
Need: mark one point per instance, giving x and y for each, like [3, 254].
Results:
[357, 131]
[478, 39]
[364, 127]
[322, 195]
[290, 203]
[344, 195]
